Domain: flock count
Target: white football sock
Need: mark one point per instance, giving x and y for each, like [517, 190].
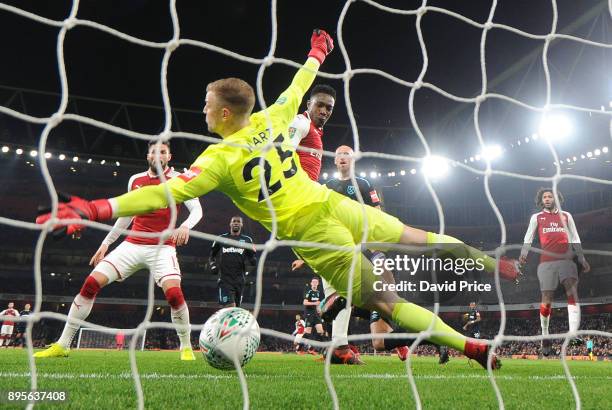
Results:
[80, 309]
[573, 317]
[544, 323]
[180, 316]
[340, 327]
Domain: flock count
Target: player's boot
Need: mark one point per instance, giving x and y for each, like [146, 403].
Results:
[187, 354]
[510, 269]
[331, 306]
[479, 351]
[546, 347]
[54, 350]
[345, 355]
[402, 352]
[444, 357]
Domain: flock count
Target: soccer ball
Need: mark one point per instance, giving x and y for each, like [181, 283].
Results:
[230, 332]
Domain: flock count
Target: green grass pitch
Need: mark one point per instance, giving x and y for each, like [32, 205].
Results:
[102, 380]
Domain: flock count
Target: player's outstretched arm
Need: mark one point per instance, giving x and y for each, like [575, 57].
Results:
[191, 184]
[289, 101]
[529, 235]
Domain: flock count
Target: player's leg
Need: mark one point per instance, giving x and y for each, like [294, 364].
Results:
[568, 276]
[548, 276]
[165, 269]
[226, 295]
[340, 222]
[118, 265]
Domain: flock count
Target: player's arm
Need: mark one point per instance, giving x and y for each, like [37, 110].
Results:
[574, 239]
[289, 101]
[205, 174]
[477, 318]
[529, 235]
[212, 257]
[369, 194]
[181, 235]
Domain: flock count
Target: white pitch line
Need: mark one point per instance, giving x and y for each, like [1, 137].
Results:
[154, 376]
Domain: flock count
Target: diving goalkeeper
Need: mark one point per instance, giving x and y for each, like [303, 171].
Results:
[304, 210]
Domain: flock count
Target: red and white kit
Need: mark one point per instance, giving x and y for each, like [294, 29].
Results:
[305, 134]
[7, 325]
[299, 331]
[557, 233]
[136, 252]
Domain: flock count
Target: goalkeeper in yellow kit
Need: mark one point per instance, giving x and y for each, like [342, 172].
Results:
[304, 210]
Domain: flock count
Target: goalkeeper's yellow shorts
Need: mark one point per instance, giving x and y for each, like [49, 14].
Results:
[340, 222]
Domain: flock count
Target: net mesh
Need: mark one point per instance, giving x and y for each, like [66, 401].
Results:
[133, 335]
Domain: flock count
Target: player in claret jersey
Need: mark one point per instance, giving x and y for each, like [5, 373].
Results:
[6, 331]
[137, 253]
[266, 184]
[557, 234]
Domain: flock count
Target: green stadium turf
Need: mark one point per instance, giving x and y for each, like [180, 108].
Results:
[101, 380]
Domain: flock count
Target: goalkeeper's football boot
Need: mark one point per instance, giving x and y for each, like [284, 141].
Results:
[444, 356]
[54, 350]
[510, 269]
[546, 347]
[479, 351]
[187, 354]
[331, 306]
[402, 352]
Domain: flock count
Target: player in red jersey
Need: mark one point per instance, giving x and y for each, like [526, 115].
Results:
[300, 325]
[136, 253]
[6, 332]
[306, 130]
[557, 234]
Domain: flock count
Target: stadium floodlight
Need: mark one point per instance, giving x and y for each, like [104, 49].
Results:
[597, 152]
[89, 161]
[33, 153]
[575, 159]
[413, 171]
[325, 175]
[62, 157]
[582, 156]
[5, 149]
[604, 150]
[535, 136]
[362, 174]
[527, 139]
[336, 174]
[48, 155]
[589, 154]
[477, 157]
[119, 164]
[555, 126]
[518, 142]
[402, 172]
[103, 162]
[471, 159]
[568, 159]
[491, 152]
[18, 151]
[75, 159]
[434, 167]
[373, 174]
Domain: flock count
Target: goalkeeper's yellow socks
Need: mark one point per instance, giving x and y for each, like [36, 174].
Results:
[414, 318]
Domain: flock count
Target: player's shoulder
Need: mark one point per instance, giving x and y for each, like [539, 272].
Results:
[332, 182]
[137, 177]
[363, 182]
[246, 238]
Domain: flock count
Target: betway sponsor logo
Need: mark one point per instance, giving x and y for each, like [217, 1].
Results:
[233, 250]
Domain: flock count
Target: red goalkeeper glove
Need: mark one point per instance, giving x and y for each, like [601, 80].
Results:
[322, 44]
[73, 207]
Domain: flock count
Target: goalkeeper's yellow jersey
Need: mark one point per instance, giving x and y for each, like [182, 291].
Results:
[238, 170]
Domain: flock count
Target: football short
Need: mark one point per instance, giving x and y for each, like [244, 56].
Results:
[230, 294]
[552, 272]
[340, 222]
[6, 330]
[473, 333]
[298, 338]
[128, 258]
[312, 319]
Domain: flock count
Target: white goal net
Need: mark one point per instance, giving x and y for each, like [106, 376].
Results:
[104, 337]
[89, 338]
